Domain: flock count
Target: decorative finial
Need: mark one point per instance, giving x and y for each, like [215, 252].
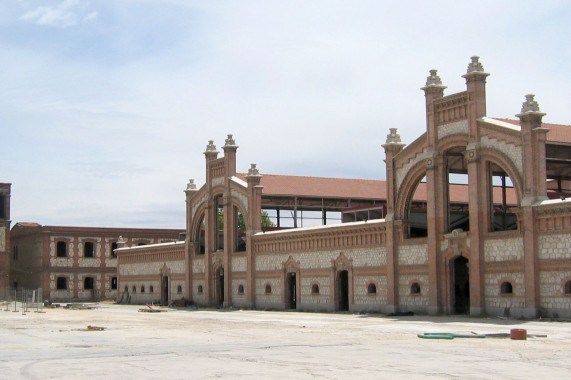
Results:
[393, 137]
[433, 79]
[475, 65]
[530, 105]
[229, 141]
[191, 185]
[253, 171]
[210, 147]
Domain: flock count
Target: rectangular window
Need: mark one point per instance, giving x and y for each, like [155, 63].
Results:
[88, 283]
[61, 283]
[3, 207]
[113, 247]
[61, 249]
[114, 283]
[88, 250]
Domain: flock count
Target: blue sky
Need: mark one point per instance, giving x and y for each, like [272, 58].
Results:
[106, 106]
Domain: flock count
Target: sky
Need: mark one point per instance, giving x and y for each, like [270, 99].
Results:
[106, 106]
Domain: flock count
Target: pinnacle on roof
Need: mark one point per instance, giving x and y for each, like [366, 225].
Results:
[530, 106]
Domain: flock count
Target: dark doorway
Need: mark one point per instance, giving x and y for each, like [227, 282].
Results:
[220, 287]
[343, 290]
[165, 291]
[291, 290]
[461, 286]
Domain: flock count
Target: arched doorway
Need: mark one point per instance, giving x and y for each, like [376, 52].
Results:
[343, 290]
[219, 286]
[165, 291]
[291, 291]
[460, 285]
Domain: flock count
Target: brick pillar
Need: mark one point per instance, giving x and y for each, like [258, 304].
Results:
[534, 191]
[435, 179]
[230, 149]
[392, 147]
[189, 245]
[211, 220]
[253, 225]
[477, 208]
[476, 88]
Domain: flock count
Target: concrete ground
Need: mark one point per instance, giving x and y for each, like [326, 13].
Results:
[204, 344]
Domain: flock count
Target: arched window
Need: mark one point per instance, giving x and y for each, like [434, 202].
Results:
[88, 249]
[61, 283]
[142, 288]
[268, 289]
[240, 231]
[201, 249]
[415, 288]
[417, 211]
[151, 289]
[240, 289]
[200, 289]
[134, 289]
[126, 288]
[502, 196]
[568, 287]
[506, 288]
[61, 249]
[372, 289]
[179, 289]
[88, 283]
[219, 223]
[314, 289]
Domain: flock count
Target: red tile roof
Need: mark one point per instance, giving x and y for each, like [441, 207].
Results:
[284, 185]
[557, 132]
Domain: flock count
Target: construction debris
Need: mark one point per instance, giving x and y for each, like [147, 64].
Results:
[150, 309]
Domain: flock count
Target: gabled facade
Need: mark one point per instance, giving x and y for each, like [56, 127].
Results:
[466, 227]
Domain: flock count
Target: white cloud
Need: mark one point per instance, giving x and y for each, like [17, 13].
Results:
[65, 14]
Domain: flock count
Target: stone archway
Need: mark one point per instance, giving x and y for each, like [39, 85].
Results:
[291, 293]
[343, 283]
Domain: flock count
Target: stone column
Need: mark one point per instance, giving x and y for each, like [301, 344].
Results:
[230, 149]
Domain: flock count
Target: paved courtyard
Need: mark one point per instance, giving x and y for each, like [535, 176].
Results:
[205, 344]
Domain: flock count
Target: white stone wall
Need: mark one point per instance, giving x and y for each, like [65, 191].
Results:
[503, 249]
[237, 298]
[551, 290]
[315, 260]
[416, 301]
[412, 255]
[324, 290]
[554, 246]
[266, 299]
[146, 297]
[199, 298]
[88, 293]
[239, 264]
[492, 290]
[360, 286]
[198, 265]
[150, 268]
[106, 291]
[455, 128]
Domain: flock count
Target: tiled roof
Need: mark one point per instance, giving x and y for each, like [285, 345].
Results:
[276, 185]
[557, 132]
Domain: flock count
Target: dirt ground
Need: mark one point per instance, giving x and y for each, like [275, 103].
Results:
[205, 344]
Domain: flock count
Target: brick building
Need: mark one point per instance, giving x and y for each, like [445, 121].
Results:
[4, 237]
[474, 218]
[73, 263]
